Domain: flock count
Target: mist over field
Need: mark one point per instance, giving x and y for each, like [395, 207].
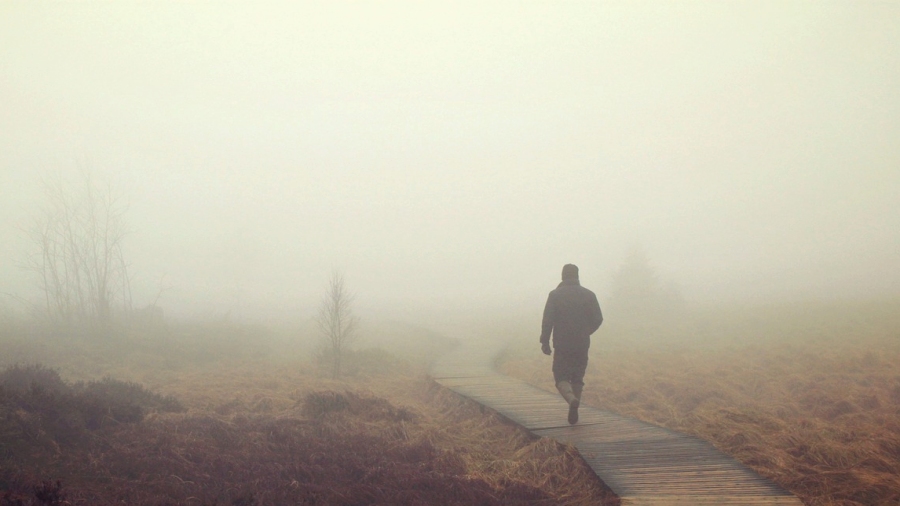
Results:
[247, 249]
[450, 158]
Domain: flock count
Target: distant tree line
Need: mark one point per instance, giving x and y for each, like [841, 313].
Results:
[639, 294]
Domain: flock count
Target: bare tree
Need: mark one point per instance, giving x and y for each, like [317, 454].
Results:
[336, 320]
[78, 257]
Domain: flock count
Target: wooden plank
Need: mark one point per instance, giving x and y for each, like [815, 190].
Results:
[694, 500]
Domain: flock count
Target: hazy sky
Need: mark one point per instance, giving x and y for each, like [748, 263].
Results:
[457, 155]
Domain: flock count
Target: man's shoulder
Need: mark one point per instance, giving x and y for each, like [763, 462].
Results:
[561, 289]
[586, 293]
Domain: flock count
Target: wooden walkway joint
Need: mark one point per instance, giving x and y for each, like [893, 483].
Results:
[645, 465]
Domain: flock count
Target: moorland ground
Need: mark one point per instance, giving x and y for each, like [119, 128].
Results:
[252, 420]
[807, 395]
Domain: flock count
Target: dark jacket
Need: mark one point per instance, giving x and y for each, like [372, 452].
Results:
[572, 314]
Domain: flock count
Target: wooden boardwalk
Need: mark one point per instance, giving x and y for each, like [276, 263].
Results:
[643, 463]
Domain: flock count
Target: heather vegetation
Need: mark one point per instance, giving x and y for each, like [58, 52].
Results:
[805, 394]
[37, 405]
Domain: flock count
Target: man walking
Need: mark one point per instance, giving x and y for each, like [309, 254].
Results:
[572, 314]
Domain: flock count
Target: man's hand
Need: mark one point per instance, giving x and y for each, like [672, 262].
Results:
[545, 347]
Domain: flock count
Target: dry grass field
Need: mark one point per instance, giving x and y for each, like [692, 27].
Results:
[263, 429]
[807, 395]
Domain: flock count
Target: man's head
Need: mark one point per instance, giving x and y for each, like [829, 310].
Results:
[570, 272]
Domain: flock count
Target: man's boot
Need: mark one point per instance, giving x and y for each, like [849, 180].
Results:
[573, 408]
[565, 389]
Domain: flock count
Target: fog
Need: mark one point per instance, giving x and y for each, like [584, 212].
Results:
[452, 157]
